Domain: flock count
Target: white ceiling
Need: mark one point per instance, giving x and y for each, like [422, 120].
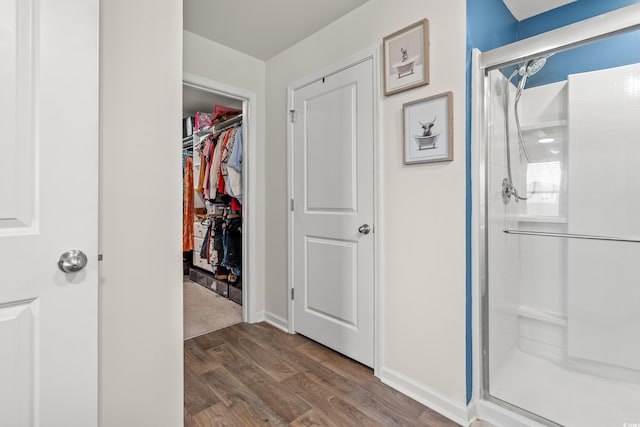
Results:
[200, 100]
[262, 28]
[523, 9]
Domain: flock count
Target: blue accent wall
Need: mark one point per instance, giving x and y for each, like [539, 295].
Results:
[621, 50]
[490, 25]
[568, 14]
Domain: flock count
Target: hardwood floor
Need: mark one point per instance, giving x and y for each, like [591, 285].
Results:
[250, 375]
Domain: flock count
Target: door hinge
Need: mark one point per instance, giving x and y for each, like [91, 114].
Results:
[293, 205]
[292, 293]
[292, 115]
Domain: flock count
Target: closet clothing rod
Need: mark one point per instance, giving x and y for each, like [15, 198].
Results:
[227, 124]
[572, 236]
[234, 121]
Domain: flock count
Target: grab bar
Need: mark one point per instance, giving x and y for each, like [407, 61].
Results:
[572, 236]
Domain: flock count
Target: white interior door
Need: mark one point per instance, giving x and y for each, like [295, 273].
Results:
[334, 204]
[48, 204]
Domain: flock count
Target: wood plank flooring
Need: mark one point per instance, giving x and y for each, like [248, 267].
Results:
[254, 375]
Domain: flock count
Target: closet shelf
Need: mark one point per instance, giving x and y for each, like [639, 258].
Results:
[219, 126]
[187, 142]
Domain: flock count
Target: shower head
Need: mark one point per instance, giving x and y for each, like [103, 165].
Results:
[532, 66]
[528, 69]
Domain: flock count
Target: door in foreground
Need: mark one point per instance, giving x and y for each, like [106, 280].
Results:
[334, 211]
[48, 206]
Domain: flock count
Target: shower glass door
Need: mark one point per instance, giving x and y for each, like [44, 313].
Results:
[562, 314]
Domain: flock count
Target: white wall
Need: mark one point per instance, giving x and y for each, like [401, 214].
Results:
[224, 65]
[424, 214]
[141, 214]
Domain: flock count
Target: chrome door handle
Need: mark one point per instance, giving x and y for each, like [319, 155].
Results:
[364, 229]
[72, 261]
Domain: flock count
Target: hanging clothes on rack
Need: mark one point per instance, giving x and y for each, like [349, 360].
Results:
[223, 147]
[187, 205]
[226, 247]
[215, 248]
[203, 146]
[226, 153]
[225, 187]
[224, 172]
[204, 250]
[234, 167]
[218, 250]
[206, 166]
[217, 162]
[234, 248]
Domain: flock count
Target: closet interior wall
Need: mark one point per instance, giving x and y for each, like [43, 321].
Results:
[212, 222]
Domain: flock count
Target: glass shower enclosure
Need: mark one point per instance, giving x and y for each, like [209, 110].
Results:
[561, 229]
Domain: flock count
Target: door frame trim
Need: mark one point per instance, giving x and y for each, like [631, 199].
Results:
[249, 108]
[372, 53]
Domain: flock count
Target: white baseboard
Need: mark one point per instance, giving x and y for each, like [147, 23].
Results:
[259, 317]
[277, 321]
[455, 411]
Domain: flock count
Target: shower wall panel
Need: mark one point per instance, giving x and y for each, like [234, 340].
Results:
[604, 199]
[542, 309]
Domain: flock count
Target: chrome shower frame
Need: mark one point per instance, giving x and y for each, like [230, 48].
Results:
[601, 27]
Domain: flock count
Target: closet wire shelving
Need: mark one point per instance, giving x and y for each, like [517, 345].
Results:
[221, 287]
[209, 130]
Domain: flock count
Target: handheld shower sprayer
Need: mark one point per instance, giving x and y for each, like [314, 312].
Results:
[526, 70]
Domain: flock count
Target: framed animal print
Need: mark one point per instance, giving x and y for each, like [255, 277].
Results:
[406, 58]
[428, 129]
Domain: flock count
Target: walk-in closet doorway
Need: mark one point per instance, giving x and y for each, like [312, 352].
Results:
[201, 94]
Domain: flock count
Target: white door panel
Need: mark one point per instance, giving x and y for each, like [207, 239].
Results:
[333, 190]
[48, 204]
[17, 336]
[331, 146]
[330, 273]
[17, 162]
